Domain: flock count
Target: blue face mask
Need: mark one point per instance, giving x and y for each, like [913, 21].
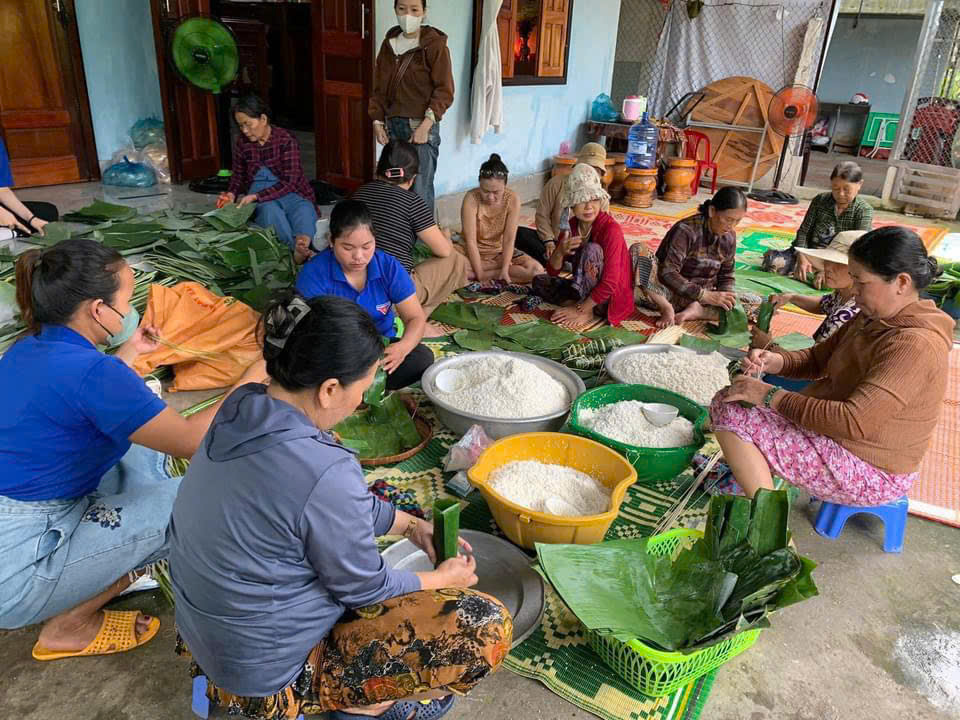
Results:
[130, 323]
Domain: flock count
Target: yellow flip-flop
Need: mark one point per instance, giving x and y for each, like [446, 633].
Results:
[118, 633]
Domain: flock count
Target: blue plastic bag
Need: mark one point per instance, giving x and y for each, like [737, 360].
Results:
[129, 174]
[148, 131]
[603, 109]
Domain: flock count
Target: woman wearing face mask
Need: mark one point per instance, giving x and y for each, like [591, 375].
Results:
[858, 433]
[267, 170]
[829, 213]
[490, 215]
[292, 610]
[84, 496]
[353, 268]
[412, 89]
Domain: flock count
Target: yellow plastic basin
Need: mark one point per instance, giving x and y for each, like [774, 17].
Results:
[526, 527]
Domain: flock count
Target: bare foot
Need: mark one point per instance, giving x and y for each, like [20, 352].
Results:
[433, 331]
[66, 634]
[369, 710]
[667, 318]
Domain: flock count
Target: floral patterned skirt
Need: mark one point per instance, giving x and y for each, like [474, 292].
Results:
[811, 461]
[446, 640]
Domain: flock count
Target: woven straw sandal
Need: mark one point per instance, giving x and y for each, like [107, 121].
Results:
[118, 633]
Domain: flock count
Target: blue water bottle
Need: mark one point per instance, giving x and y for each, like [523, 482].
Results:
[642, 145]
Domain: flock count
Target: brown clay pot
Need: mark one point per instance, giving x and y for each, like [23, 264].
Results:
[607, 178]
[616, 188]
[563, 165]
[679, 176]
[641, 187]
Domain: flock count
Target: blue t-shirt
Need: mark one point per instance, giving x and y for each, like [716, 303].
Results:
[388, 283]
[6, 177]
[69, 411]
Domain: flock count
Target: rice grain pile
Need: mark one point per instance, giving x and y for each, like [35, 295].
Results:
[625, 422]
[692, 375]
[530, 484]
[506, 388]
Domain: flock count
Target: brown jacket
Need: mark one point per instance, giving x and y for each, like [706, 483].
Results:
[427, 82]
[879, 385]
[550, 210]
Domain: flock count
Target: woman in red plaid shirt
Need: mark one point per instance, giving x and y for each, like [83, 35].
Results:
[267, 171]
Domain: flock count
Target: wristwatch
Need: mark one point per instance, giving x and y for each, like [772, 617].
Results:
[768, 398]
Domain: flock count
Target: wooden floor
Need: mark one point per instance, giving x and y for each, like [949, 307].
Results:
[822, 164]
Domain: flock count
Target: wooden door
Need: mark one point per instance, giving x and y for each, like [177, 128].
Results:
[552, 50]
[44, 110]
[342, 78]
[189, 114]
[506, 29]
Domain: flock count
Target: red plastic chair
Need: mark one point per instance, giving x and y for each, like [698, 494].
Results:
[694, 141]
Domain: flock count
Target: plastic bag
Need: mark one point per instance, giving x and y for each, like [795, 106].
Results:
[209, 340]
[129, 174]
[603, 109]
[464, 454]
[147, 131]
[155, 155]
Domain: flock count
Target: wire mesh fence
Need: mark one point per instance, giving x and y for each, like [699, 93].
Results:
[663, 53]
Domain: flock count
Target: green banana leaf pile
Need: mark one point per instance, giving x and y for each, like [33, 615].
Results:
[764, 283]
[485, 340]
[732, 331]
[380, 431]
[538, 336]
[469, 316]
[947, 286]
[732, 579]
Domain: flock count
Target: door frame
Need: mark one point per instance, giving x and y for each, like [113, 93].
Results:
[67, 37]
[368, 13]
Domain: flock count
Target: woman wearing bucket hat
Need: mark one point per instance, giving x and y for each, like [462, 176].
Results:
[552, 215]
[840, 306]
[602, 284]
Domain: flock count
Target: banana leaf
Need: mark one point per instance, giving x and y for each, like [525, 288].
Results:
[765, 315]
[538, 336]
[52, 234]
[765, 283]
[469, 316]
[732, 331]
[731, 580]
[608, 331]
[701, 345]
[421, 252]
[794, 341]
[230, 217]
[377, 432]
[374, 393]
[99, 211]
[485, 340]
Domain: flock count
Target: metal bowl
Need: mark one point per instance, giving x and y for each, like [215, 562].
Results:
[620, 354]
[460, 421]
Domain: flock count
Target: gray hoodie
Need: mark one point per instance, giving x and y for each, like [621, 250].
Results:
[271, 539]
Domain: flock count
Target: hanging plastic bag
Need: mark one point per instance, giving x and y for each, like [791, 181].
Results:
[208, 340]
[603, 109]
[147, 131]
[129, 174]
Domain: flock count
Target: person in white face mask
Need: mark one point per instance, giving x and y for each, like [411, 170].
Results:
[412, 89]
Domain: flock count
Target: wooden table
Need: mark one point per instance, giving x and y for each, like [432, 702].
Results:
[837, 110]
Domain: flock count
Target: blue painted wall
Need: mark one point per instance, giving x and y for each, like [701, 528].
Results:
[876, 57]
[120, 62]
[537, 119]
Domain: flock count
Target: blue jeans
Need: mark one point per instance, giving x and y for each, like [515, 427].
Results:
[398, 128]
[60, 553]
[289, 215]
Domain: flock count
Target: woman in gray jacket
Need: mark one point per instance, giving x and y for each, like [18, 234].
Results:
[281, 595]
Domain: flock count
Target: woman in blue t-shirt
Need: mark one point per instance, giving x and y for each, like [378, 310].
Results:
[84, 495]
[353, 268]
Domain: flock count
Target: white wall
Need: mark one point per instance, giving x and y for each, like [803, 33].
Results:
[537, 119]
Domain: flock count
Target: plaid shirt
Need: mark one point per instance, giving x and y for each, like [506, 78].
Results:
[692, 259]
[821, 223]
[281, 154]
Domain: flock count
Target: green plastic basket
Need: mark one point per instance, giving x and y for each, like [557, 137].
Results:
[652, 464]
[657, 672]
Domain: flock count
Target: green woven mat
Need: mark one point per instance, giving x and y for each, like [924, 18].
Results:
[557, 654]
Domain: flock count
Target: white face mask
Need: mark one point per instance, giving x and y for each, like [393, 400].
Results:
[409, 23]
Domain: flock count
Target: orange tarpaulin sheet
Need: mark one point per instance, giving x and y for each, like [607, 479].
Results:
[213, 338]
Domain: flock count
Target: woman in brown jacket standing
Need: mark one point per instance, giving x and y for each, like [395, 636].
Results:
[412, 89]
[857, 435]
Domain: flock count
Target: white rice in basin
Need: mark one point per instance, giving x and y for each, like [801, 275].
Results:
[695, 376]
[530, 484]
[625, 422]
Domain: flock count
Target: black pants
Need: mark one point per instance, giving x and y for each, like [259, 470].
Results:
[529, 242]
[411, 369]
[42, 210]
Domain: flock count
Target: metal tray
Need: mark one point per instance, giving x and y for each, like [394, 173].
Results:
[615, 357]
[504, 572]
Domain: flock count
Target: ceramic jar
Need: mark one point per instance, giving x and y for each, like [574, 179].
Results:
[616, 188]
[641, 188]
[678, 178]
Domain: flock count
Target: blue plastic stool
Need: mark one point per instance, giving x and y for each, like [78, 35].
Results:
[201, 703]
[831, 518]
